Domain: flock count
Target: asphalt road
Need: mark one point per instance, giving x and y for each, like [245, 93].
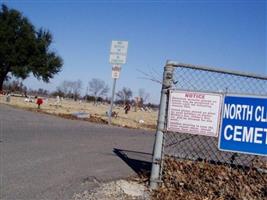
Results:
[46, 157]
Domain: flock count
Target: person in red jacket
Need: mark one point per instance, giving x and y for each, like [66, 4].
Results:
[39, 102]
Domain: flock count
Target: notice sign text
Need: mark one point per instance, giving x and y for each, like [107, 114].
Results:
[194, 113]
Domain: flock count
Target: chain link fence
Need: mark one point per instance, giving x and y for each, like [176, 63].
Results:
[198, 149]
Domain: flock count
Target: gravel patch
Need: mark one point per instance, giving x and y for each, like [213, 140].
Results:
[116, 190]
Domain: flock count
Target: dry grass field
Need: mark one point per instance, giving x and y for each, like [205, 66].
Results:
[67, 107]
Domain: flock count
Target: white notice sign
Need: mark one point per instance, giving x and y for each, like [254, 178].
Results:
[118, 52]
[116, 71]
[194, 112]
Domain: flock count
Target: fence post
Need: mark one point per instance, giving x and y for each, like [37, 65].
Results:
[157, 150]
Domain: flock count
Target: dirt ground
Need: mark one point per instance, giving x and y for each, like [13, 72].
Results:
[204, 181]
[66, 108]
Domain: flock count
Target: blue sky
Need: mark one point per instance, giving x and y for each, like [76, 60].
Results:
[227, 34]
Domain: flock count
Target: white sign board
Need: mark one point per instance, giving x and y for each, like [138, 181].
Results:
[118, 52]
[194, 113]
[116, 71]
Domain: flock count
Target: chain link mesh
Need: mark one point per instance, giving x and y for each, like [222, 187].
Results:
[182, 146]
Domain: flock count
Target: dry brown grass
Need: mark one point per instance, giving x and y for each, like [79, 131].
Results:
[67, 107]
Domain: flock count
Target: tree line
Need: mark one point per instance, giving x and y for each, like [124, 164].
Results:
[96, 91]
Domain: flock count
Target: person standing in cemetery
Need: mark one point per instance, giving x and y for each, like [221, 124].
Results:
[39, 102]
[8, 97]
[127, 107]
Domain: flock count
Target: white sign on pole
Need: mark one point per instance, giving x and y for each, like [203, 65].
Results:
[116, 71]
[194, 113]
[118, 52]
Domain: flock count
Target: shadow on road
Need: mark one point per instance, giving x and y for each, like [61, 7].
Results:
[140, 162]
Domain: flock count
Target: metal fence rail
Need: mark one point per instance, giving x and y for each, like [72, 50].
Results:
[202, 79]
[196, 147]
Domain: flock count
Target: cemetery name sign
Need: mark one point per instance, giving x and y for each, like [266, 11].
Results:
[244, 125]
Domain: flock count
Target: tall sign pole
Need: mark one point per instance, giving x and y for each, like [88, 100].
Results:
[115, 76]
[117, 57]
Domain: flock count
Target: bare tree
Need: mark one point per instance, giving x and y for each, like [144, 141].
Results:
[64, 88]
[98, 88]
[125, 94]
[70, 88]
[152, 75]
[14, 86]
[76, 89]
[143, 95]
